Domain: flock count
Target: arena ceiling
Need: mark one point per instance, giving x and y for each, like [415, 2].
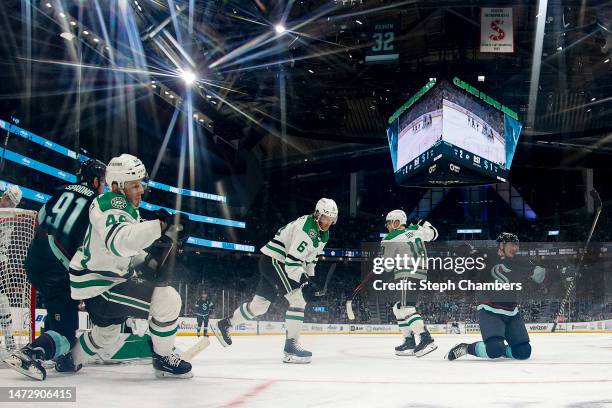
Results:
[305, 93]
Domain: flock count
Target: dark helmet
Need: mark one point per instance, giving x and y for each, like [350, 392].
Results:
[507, 237]
[89, 169]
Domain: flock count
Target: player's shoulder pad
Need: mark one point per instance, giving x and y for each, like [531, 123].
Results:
[116, 202]
[311, 229]
[393, 234]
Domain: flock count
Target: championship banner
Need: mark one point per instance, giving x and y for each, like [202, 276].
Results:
[496, 30]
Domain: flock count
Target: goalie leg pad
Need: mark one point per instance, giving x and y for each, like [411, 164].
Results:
[89, 343]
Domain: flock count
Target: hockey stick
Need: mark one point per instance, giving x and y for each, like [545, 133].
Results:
[323, 291]
[356, 291]
[196, 349]
[570, 288]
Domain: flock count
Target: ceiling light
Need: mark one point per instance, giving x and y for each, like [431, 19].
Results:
[171, 96]
[606, 60]
[214, 102]
[188, 76]
[559, 48]
[96, 40]
[279, 28]
[588, 110]
[593, 99]
[311, 71]
[167, 93]
[481, 78]
[73, 23]
[48, 5]
[358, 22]
[195, 115]
[201, 120]
[67, 36]
[62, 15]
[86, 32]
[208, 96]
[153, 86]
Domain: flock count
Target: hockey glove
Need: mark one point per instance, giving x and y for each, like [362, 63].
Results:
[177, 232]
[309, 288]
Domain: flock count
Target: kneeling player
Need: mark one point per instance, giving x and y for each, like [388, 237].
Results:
[62, 223]
[101, 272]
[501, 323]
[399, 241]
[286, 270]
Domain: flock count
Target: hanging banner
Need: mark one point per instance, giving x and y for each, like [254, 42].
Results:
[496, 30]
[382, 36]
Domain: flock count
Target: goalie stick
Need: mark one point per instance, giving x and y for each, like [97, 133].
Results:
[196, 349]
[570, 288]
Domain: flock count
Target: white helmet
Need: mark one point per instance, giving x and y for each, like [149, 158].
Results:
[328, 207]
[14, 194]
[397, 215]
[124, 168]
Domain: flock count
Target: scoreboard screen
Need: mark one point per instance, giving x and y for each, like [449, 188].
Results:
[452, 134]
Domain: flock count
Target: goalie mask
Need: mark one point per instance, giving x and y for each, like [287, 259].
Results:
[328, 208]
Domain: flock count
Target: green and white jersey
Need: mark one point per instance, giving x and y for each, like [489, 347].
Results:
[115, 234]
[410, 242]
[297, 245]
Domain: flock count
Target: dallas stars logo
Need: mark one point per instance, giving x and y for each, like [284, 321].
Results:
[119, 203]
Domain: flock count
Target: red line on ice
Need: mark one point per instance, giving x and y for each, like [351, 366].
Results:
[253, 392]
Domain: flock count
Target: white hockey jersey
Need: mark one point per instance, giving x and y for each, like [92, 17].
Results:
[409, 241]
[297, 245]
[115, 234]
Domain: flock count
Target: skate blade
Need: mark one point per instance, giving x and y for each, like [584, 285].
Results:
[165, 374]
[290, 359]
[33, 372]
[428, 349]
[405, 353]
[219, 336]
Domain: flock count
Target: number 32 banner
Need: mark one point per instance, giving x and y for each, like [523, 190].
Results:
[382, 39]
[496, 30]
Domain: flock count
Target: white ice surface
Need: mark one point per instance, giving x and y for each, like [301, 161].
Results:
[573, 370]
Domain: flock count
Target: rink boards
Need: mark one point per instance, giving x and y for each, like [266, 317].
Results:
[187, 327]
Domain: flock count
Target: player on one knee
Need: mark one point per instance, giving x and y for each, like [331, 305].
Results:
[409, 240]
[62, 223]
[286, 270]
[202, 310]
[501, 324]
[10, 199]
[101, 271]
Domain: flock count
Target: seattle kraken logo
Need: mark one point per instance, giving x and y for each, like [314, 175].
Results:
[498, 272]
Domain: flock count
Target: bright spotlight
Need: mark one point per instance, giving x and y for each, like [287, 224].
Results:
[279, 28]
[189, 77]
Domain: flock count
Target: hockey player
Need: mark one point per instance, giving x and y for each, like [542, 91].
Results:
[62, 222]
[102, 268]
[202, 310]
[409, 240]
[10, 199]
[286, 270]
[500, 320]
